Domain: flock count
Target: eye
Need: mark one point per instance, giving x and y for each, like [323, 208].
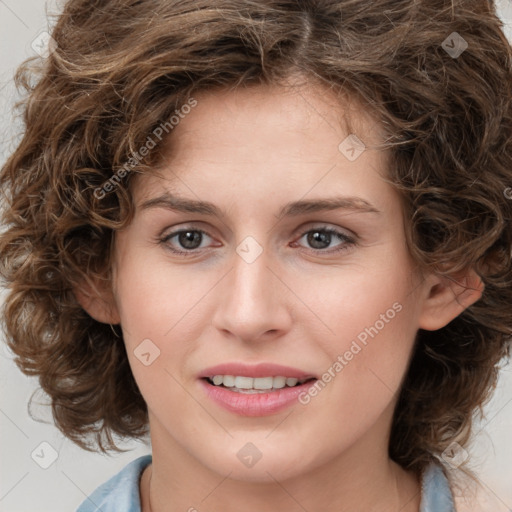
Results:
[188, 240]
[321, 238]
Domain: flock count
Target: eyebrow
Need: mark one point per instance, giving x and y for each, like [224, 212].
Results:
[296, 208]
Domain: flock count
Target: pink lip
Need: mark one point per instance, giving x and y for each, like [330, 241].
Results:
[258, 370]
[257, 404]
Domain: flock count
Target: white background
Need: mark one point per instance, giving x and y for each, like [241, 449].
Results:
[24, 485]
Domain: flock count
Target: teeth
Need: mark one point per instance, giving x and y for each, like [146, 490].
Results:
[227, 380]
[244, 382]
[279, 382]
[263, 383]
[258, 383]
[218, 379]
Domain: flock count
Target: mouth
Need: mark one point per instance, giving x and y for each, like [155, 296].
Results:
[259, 390]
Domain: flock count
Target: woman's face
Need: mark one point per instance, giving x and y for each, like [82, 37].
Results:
[298, 260]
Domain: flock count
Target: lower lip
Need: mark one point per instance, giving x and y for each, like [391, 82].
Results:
[255, 404]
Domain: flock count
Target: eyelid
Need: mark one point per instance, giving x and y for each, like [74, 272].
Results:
[321, 226]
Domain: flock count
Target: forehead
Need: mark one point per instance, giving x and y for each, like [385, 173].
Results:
[292, 138]
[273, 114]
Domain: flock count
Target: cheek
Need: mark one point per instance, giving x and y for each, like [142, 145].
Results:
[162, 312]
[372, 320]
[154, 298]
[362, 305]
[367, 358]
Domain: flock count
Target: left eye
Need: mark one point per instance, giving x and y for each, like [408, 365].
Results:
[321, 238]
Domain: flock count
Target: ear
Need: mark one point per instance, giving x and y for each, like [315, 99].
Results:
[447, 297]
[97, 299]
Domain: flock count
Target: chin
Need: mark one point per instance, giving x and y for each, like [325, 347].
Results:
[247, 464]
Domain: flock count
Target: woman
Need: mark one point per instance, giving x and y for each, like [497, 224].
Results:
[273, 235]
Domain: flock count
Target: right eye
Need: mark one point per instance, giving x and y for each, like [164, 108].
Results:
[188, 239]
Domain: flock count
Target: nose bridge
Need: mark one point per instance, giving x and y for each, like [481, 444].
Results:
[251, 303]
[251, 278]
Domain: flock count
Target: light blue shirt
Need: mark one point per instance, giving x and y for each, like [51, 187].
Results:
[121, 492]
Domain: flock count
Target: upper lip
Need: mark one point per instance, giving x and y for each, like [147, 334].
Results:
[258, 370]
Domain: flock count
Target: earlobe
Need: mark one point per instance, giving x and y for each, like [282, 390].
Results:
[448, 297]
[98, 301]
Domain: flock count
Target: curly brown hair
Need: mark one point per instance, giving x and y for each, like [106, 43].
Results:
[122, 68]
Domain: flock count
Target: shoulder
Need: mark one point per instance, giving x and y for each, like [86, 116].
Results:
[121, 492]
[457, 490]
[436, 493]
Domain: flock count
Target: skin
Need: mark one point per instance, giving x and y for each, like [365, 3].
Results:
[250, 152]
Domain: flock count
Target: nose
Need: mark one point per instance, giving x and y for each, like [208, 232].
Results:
[252, 302]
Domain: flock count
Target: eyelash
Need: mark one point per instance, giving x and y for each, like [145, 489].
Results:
[348, 241]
